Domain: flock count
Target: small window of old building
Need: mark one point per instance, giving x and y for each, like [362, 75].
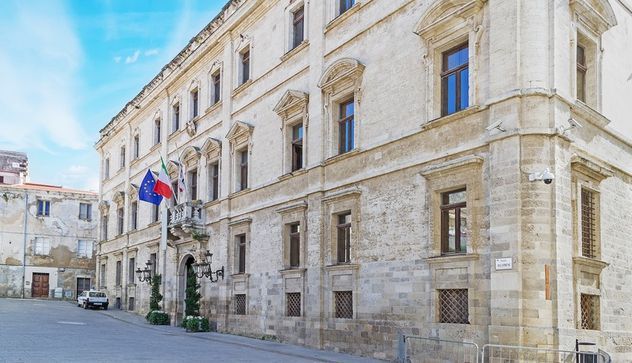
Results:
[119, 272]
[43, 208]
[131, 267]
[293, 304]
[102, 280]
[343, 304]
[295, 245]
[241, 253]
[134, 215]
[240, 304]
[41, 246]
[345, 126]
[455, 80]
[157, 131]
[344, 5]
[194, 103]
[454, 236]
[122, 158]
[84, 249]
[214, 181]
[119, 220]
[453, 306]
[136, 147]
[155, 213]
[216, 81]
[298, 27]
[176, 117]
[588, 223]
[243, 169]
[85, 211]
[344, 238]
[104, 228]
[193, 184]
[589, 312]
[245, 66]
[297, 147]
[581, 73]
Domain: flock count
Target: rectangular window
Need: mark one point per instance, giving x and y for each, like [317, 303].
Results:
[343, 302]
[454, 236]
[194, 103]
[453, 306]
[345, 127]
[588, 224]
[134, 220]
[241, 253]
[84, 249]
[193, 184]
[298, 27]
[119, 220]
[154, 265]
[85, 211]
[344, 5]
[240, 304]
[131, 267]
[214, 179]
[455, 80]
[176, 118]
[106, 171]
[217, 87]
[297, 147]
[102, 281]
[243, 170]
[295, 245]
[344, 238]
[41, 246]
[581, 73]
[293, 304]
[136, 146]
[174, 187]
[43, 208]
[155, 213]
[119, 272]
[157, 131]
[104, 228]
[589, 312]
[245, 66]
[122, 157]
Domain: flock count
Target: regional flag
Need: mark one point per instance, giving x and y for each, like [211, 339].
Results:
[163, 184]
[146, 191]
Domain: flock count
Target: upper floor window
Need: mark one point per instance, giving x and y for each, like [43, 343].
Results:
[119, 220]
[298, 27]
[345, 126]
[131, 266]
[104, 228]
[344, 5]
[589, 223]
[581, 73]
[119, 273]
[85, 211]
[245, 66]
[176, 117]
[214, 181]
[153, 259]
[241, 253]
[194, 103]
[454, 222]
[41, 246]
[295, 244]
[243, 169]
[106, 167]
[216, 81]
[43, 208]
[155, 213]
[84, 249]
[344, 237]
[193, 184]
[297, 147]
[136, 146]
[122, 158]
[134, 215]
[455, 80]
[157, 131]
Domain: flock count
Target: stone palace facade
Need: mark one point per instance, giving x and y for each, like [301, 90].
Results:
[458, 169]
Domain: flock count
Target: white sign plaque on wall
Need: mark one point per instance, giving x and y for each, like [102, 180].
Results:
[504, 263]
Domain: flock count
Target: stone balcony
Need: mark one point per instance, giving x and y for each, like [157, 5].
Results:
[185, 218]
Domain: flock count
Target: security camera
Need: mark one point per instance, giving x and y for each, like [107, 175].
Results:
[496, 125]
[573, 124]
[546, 176]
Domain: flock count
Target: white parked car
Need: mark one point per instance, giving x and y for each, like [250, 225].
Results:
[93, 298]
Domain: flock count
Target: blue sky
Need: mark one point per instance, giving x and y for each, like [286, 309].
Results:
[67, 67]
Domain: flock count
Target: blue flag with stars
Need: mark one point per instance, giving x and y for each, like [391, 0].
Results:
[146, 190]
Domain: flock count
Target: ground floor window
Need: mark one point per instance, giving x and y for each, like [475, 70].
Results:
[343, 301]
[240, 304]
[293, 304]
[453, 306]
[589, 312]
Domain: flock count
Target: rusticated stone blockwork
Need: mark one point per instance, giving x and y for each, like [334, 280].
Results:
[338, 173]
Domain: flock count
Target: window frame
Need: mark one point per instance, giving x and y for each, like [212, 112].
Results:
[213, 180]
[343, 237]
[216, 87]
[244, 181]
[294, 245]
[122, 157]
[136, 147]
[343, 121]
[240, 249]
[120, 221]
[119, 273]
[194, 95]
[157, 131]
[457, 72]
[342, 6]
[134, 215]
[296, 41]
[131, 269]
[88, 211]
[245, 65]
[175, 117]
[192, 179]
[43, 207]
[445, 207]
[87, 252]
[297, 146]
[41, 246]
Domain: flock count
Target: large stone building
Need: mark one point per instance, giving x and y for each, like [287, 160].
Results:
[13, 167]
[451, 168]
[47, 238]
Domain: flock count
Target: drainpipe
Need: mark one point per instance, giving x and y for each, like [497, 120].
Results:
[26, 215]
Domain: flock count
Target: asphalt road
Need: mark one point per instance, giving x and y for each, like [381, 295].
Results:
[54, 331]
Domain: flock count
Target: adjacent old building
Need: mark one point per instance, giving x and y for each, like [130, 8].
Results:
[13, 167]
[458, 169]
[47, 238]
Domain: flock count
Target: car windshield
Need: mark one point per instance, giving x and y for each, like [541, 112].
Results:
[97, 294]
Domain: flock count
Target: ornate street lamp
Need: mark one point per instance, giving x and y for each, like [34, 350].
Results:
[144, 275]
[204, 268]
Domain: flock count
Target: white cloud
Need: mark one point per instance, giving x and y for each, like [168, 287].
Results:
[132, 58]
[79, 176]
[151, 52]
[39, 63]
[117, 59]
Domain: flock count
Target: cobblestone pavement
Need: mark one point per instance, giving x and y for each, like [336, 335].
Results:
[55, 331]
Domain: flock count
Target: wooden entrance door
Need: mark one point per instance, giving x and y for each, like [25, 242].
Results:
[83, 283]
[40, 285]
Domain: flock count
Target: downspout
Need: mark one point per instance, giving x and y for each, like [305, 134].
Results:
[26, 215]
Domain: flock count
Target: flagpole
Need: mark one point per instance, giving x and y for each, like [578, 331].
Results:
[164, 222]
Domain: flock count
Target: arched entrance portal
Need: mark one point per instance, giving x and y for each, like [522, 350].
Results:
[186, 265]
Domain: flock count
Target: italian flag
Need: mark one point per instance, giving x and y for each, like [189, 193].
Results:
[163, 184]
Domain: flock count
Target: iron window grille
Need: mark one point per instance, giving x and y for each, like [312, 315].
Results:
[588, 223]
[589, 312]
[344, 238]
[346, 126]
[240, 304]
[454, 222]
[293, 304]
[453, 306]
[343, 301]
[455, 80]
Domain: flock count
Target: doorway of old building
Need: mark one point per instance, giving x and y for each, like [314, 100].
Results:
[40, 285]
[83, 283]
[186, 265]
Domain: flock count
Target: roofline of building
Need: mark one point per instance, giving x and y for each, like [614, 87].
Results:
[47, 188]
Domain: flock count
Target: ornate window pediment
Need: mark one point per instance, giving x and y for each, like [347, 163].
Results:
[190, 155]
[239, 133]
[212, 148]
[340, 73]
[446, 15]
[597, 14]
[119, 199]
[132, 192]
[291, 103]
[104, 207]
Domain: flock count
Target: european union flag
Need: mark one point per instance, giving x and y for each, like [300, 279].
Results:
[146, 190]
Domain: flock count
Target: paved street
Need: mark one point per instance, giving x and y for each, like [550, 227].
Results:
[54, 331]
